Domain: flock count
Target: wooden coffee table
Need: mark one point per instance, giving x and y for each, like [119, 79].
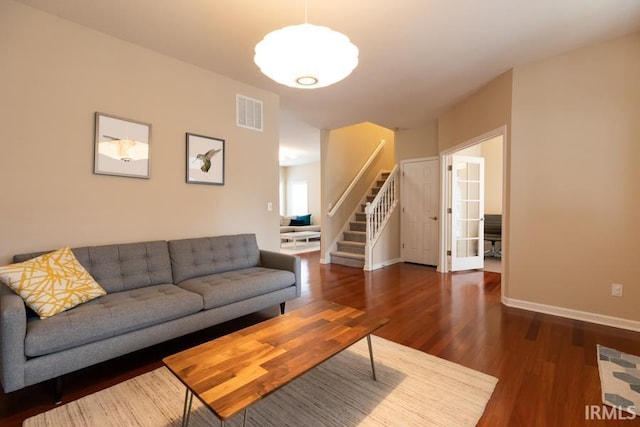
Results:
[231, 373]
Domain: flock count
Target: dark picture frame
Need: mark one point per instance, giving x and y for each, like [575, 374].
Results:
[205, 160]
[121, 147]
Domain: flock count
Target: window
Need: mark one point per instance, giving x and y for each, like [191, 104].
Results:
[298, 199]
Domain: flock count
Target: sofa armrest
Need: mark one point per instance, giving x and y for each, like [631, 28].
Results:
[13, 331]
[279, 261]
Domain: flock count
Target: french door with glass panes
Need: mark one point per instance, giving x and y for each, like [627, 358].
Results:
[467, 213]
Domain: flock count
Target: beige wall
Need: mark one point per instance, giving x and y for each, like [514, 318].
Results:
[492, 152]
[343, 153]
[310, 173]
[575, 194]
[282, 191]
[473, 151]
[487, 109]
[55, 76]
[417, 142]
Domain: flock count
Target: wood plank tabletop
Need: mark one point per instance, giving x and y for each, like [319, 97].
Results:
[232, 372]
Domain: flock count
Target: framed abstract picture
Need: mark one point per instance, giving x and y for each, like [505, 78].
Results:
[205, 160]
[121, 147]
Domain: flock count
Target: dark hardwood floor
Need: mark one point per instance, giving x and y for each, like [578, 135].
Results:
[546, 365]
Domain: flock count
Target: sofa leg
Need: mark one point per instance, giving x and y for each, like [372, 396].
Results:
[282, 304]
[57, 390]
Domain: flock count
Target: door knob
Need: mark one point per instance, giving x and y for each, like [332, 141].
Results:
[435, 218]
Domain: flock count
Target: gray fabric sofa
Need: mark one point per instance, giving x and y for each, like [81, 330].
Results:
[156, 291]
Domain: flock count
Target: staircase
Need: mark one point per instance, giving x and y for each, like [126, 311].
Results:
[351, 249]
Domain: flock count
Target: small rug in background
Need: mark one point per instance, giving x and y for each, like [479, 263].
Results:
[413, 389]
[619, 379]
[301, 247]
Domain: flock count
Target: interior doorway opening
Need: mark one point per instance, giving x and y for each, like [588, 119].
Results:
[492, 147]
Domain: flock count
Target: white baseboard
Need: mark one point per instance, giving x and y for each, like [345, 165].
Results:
[600, 319]
[382, 264]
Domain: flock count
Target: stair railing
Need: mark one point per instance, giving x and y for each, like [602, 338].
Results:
[355, 180]
[378, 212]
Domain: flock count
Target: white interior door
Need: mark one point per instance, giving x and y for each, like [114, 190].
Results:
[420, 211]
[467, 213]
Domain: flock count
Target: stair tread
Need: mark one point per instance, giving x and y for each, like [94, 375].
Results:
[351, 243]
[348, 255]
[356, 232]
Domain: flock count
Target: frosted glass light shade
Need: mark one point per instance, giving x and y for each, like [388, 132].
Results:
[306, 56]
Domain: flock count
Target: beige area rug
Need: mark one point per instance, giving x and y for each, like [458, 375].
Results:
[619, 379]
[413, 389]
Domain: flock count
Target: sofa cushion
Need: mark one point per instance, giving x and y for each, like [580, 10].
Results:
[305, 219]
[121, 267]
[285, 220]
[51, 283]
[237, 285]
[209, 255]
[295, 229]
[109, 316]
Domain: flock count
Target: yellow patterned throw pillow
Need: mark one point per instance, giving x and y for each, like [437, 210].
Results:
[51, 283]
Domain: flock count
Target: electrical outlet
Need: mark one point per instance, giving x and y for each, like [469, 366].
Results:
[616, 289]
[269, 206]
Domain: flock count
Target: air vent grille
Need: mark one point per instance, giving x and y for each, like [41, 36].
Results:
[248, 112]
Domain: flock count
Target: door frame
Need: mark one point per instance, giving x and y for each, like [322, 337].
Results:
[445, 200]
[402, 195]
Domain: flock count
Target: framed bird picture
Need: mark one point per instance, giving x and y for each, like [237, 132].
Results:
[205, 160]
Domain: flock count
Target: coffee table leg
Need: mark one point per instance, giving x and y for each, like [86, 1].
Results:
[244, 419]
[186, 410]
[373, 366]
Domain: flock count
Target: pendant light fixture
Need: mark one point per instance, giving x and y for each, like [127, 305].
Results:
[306, 56]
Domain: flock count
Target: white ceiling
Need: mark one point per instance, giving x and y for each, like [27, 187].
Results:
[417, 57]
